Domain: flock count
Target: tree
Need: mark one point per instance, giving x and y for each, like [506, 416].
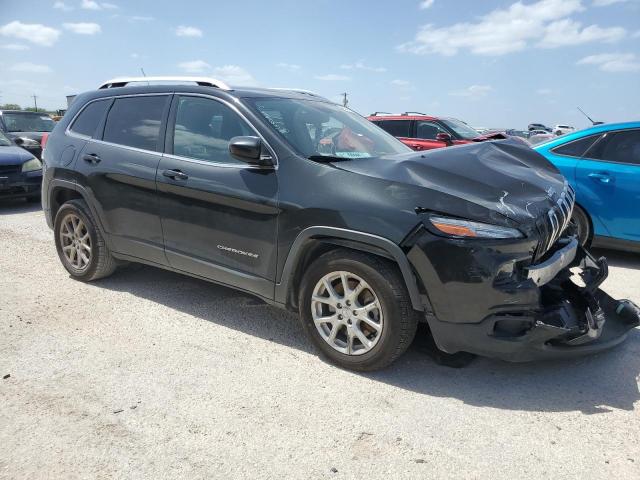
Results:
[10, 106]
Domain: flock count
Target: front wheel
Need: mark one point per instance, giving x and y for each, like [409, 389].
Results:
[356, 310]
[583, 226]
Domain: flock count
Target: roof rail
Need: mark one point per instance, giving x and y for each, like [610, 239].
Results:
[202, 81]
[380, 113]
[414, 113]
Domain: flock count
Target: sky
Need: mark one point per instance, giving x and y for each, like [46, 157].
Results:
[492, 63]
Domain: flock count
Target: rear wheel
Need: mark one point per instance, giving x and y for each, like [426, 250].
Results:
[80, 244]
[583, 226]
[356, 310]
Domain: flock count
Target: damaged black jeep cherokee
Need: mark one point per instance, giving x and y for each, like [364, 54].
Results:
[297, 200]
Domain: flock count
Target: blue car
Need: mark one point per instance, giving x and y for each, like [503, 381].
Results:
[20, 172]
[602, 164]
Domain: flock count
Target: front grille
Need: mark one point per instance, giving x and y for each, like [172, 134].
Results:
[10, 169]
[554, 223]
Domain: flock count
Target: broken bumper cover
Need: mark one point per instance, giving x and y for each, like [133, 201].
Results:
[572, 316]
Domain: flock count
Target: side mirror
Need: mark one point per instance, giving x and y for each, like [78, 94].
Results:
[249, 150]
[444, 137]
[18, 141]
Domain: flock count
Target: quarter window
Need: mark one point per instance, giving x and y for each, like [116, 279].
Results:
[90, 117]
[577, 148]
[203, 129]
[135, 121]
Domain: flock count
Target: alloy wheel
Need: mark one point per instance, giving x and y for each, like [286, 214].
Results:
[76, 242]
[347, 313]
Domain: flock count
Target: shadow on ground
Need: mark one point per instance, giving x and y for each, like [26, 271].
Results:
[13, 206]
[592, 385]
[617, 258]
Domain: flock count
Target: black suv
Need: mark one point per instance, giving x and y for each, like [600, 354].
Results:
[290, 197]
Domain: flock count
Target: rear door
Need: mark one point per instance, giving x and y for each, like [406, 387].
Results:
[609, 177]
[219, 215]
[401, 129]
[119, 172]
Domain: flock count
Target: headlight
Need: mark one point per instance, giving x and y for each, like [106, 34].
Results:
[28, 142]
[466, 228]
[31, 165]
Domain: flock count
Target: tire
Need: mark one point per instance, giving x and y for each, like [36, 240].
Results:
[394, 319]
[100, 263]
[582, 223]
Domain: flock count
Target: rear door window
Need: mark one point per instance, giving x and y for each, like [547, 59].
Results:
[619, 147]
[397, 128]
[135, 121]
[90, 117]
[428, 130]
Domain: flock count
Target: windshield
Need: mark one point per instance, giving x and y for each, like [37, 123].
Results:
[318, 129]
[4, 141]
[462, 129]
[28, 122]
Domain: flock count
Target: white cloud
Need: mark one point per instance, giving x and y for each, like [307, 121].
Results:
[511, 29]
[360, 65]
[234, 75]
[30, 68]
[544, 91]
[569, 32]
[636, 34]
[332, 77]
[424, 4]
[31, 32]
[194, 66]
[14, 46]
[62, 6]
[473, 92]
[83, 28]
[289, 66]
[90, 5]
[606, 3]
[93, 5]
[613, 62]
[400, 83]
[186, 31]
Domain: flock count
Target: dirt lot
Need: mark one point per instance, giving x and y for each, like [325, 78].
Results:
[149, 374]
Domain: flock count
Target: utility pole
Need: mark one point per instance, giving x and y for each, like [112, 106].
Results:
[35, 101]
[345, 102]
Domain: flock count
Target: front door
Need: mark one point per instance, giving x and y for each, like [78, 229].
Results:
[609, 177]
[218, 214]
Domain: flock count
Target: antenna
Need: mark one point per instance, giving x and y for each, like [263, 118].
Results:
[345, 101]
[144, 74]
[590, 119]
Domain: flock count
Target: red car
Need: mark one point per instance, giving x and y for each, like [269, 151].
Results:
[425, 132]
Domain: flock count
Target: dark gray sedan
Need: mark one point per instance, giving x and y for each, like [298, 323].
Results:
[20, 171]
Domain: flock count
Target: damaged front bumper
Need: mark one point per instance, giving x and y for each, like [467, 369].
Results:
[555, 310]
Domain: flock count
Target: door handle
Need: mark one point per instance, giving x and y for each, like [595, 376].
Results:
[601, 177]
[91, 158]
[175, 174]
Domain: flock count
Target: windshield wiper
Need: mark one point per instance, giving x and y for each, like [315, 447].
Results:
[327, 158]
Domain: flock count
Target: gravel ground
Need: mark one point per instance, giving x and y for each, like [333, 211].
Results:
[149, 374]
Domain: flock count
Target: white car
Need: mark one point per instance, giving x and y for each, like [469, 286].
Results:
[562, 129]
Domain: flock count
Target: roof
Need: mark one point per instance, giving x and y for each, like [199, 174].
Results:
[402, 116]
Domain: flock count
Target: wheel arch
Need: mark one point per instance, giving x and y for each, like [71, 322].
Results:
[315, 241]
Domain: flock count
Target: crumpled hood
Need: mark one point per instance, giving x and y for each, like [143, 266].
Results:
[13, 155]
[503, 176]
